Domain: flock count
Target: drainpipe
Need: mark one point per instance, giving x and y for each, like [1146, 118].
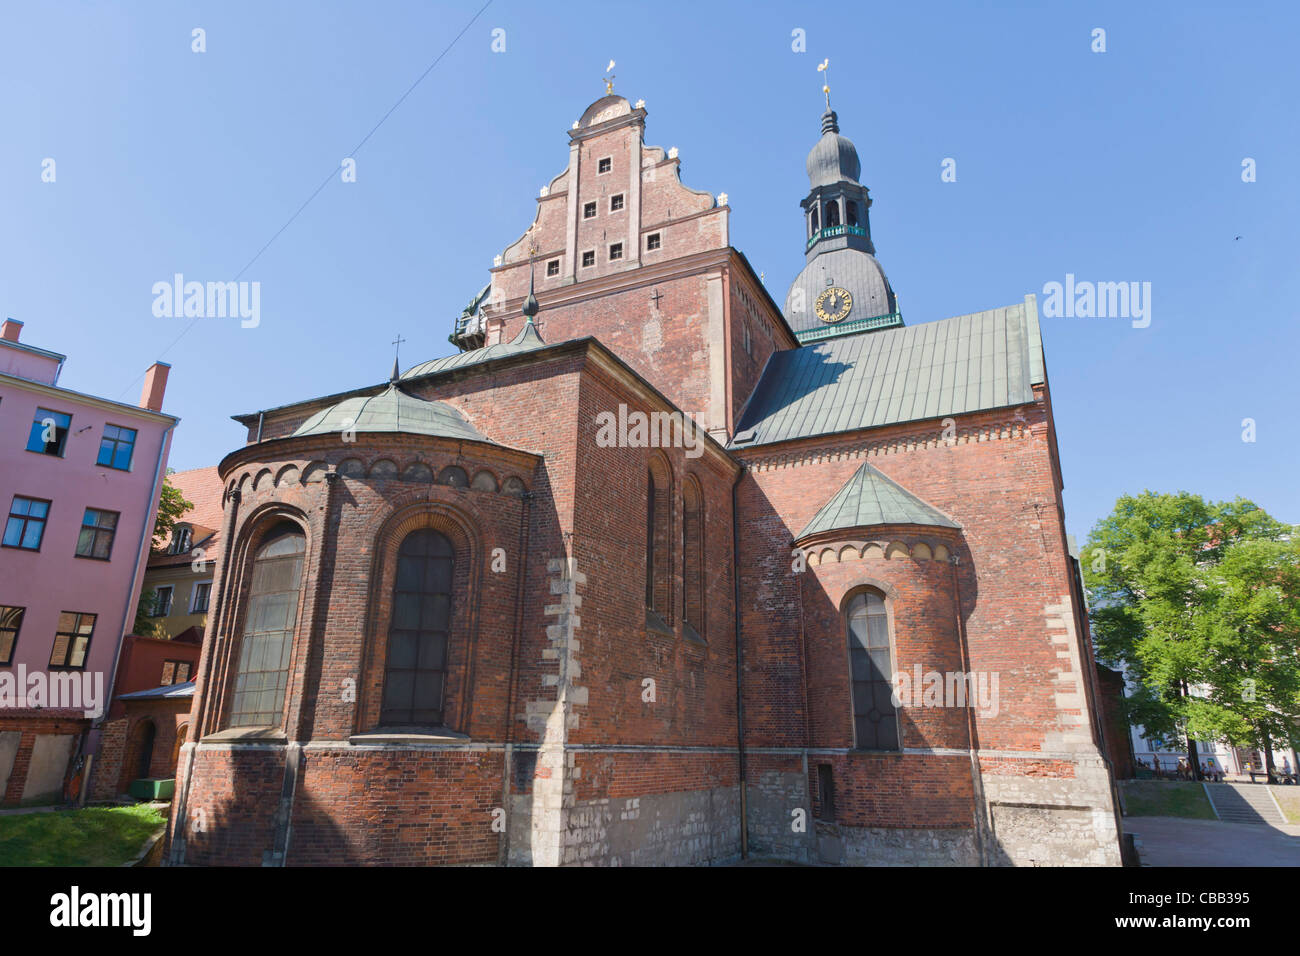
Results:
[506, 763]
[128, 615]
[803, 661]
[976, 782]
[740, 661]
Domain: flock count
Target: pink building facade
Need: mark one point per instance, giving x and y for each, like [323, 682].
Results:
[80, 479]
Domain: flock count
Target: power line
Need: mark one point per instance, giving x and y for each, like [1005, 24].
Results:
[324, 182]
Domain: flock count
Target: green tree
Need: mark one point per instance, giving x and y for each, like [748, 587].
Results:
[1253, 665]
[1162, 602]
[171, 507]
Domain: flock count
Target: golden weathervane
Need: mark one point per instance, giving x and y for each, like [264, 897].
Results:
[825, 67]
[609, 80]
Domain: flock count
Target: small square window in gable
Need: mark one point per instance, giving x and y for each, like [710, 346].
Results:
[589, 210]
[604, 165]
[616, 251]
[553, 267]
[616, 202]
[589, 258]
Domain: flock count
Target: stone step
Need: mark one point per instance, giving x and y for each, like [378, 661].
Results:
[1243, 803]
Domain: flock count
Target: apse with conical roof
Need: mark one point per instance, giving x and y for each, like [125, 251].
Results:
[842, 289]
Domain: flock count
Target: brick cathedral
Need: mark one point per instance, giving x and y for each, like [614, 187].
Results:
[826, 612]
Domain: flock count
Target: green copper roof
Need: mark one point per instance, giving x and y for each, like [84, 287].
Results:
[965, 364]
[868, 499]
[526, 341]
[392, 410]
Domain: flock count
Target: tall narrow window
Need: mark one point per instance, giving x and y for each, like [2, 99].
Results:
[826, 792]
[416, 671]
[812, 223]
[650, 541]
[269, 622]
[11, 622]
[875, 723]
[693, 556]
[832, 214]
[658, 586]
[162, 601]
[200, 597]
[851, 213]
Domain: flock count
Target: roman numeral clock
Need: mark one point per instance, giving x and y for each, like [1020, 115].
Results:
[833, 305]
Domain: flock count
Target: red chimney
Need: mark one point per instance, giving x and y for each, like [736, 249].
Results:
[155, 383]
[9, 331]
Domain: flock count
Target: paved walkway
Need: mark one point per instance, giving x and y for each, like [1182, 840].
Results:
[1177, 841]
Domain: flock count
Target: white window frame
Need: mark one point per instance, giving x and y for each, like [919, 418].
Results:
[158, 597]
[194, 594]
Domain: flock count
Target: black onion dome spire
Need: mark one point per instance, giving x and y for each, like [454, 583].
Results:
[531, 308]
[842, 289]
[834, 158]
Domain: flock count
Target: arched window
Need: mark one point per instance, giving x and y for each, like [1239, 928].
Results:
[812, 223]
[269, 621]
[851, 212]
[416, 670]
[650, 541]
[693, 556]
[875, 722]
[658, 590]
[832, 214]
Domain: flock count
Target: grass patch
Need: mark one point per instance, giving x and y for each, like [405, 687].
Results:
[1166, 798]
[95, 836]
[1288, 798]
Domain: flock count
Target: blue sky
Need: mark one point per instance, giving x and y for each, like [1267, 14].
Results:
[1115, 166]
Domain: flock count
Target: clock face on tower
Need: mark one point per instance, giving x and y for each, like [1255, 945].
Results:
[833, 305]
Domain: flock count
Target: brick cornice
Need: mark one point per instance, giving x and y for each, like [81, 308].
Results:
[1007, 424]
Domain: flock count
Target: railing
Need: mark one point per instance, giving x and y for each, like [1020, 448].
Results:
[830, 232]
[846, 328]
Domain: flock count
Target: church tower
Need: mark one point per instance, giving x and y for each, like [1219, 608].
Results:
[842, 289]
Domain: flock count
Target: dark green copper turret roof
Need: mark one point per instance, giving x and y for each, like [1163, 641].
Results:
[526, 341]
[869, 499]
[392, 410]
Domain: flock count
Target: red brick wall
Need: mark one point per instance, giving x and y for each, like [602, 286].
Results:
[31, 725]
[1013, 557]
[416, 808]
[1115, 728]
